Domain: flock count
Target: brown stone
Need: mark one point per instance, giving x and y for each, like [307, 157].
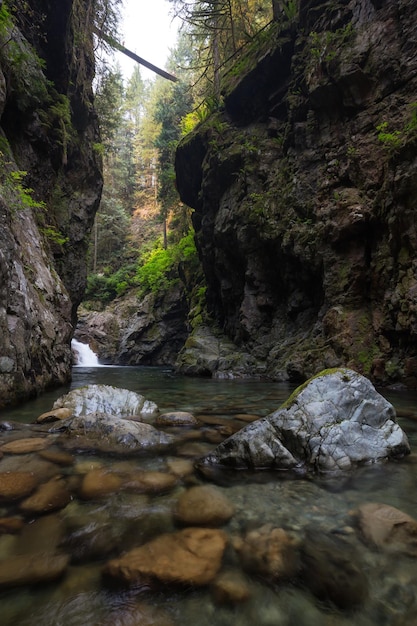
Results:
[54, 416]
[99, 483]
[59, 458]
[16, 485]
[50, 496]
[10, 525]
[387, 527]
[149, 482]
[270, 552]
[30, 569]
[176, 418]
[44, 534]
[191, 556]
[203, 505]
[180, 467]
[24, 446]
[231, 587]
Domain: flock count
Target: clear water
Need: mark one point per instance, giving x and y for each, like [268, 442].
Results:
[124, 520]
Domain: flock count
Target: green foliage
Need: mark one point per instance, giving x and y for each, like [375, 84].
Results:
[390, 140]
[57, 118]
[104, 287]
[159, 270]
[290, 9]
[21, 64]
[323, 45]
[54, 235]
[393, 140]
[19, 197]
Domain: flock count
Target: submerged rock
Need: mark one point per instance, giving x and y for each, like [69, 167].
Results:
[333, 571]
[49, 496]
[16, 485]
[26, 445]
[29, 569]
[176, 418]
[271, 553]
[333, 422]
[192, 556]
[203, 505]
[106, 399]
[111, 433]
[384, 526]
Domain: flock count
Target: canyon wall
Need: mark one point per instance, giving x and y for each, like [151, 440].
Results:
[50, 187]
[304, 190]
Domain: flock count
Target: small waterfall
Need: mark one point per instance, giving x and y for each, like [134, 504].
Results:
[84, 356]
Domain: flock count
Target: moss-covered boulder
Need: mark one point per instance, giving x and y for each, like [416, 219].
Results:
[335, 421]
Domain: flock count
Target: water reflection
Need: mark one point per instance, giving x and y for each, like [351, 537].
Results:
[92, 531]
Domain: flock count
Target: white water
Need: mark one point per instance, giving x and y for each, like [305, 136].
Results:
[84, 356]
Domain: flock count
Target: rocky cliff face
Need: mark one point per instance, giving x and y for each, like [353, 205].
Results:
[50, 185]
[304, 188]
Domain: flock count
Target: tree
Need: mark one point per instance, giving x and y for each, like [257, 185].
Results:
[217, 29]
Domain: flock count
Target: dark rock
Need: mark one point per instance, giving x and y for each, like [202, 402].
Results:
[44, 65]
[333, 571]
[32, 569]
[303, 218]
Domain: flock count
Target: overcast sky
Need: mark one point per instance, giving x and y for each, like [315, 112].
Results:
[148, 30]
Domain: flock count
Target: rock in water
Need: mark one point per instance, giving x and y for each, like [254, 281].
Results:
[189, 557]
[113, 433]
[106, 399]
[334, 421]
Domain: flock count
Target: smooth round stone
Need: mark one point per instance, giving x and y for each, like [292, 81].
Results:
[203, 505]
[247, 417]
[231, 587]
[50, 496]
[10, 525]
[270, 552]
[99, 483]
[30, 569]
[150, 482]
[27, 445]
[192, 556]
[16, 485]
[63, 459]
[54, 416]
[180, 467]
[176, 418]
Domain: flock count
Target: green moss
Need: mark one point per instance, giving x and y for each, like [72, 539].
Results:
[326, 372]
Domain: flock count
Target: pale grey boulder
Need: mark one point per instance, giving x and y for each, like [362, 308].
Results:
[112, 433]
[106, 399]
[102, 419]
[334, 421]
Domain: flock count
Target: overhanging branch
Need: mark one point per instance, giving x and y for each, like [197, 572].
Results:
[118, 46]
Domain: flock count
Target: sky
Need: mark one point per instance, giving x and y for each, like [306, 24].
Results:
[148, 30]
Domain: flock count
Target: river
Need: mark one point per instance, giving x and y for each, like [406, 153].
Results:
[94, 531]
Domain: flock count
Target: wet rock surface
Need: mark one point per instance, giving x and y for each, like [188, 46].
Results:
[311, 549]
[203, 505]
[334, 422]
[106, 399]
[189, 557]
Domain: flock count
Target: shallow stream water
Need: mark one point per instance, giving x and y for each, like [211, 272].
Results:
[94, 531]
